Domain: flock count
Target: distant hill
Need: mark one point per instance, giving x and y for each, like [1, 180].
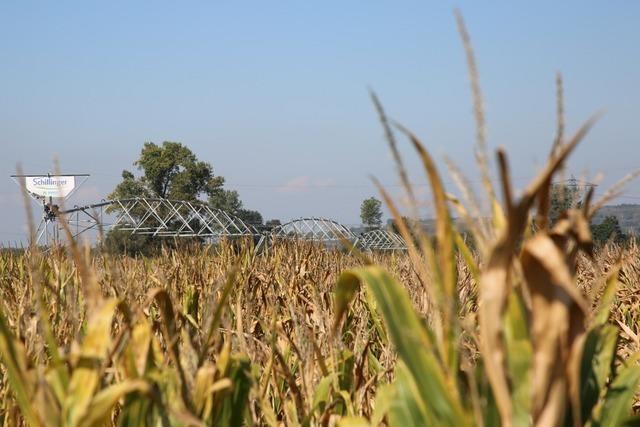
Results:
[628, 217]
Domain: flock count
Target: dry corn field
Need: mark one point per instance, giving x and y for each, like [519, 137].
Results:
[226, 337]
[529, 325]
[517, 321]
[533, 326]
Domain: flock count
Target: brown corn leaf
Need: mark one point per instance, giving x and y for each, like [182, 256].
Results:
[558, 314]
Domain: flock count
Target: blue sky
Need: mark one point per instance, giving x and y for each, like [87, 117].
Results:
[274, 94]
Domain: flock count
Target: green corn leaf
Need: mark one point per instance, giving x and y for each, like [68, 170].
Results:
[102, 404]
[15, 363]
[602, 312]
[372, 307]
[413, 344]
[345, 371]
[445, 270]
[407, 408]
[268, 414]
[467, 256]
[385, 397]
[619, 398]
[57, 385]
[204, 380]
[520, 360]
[346, 398]
[375, 367]
[322, 392]
[86, 375]
[137, 411]
[597, 366]
[633, 421]
[343, 295]
[291, 414]
[233, 408]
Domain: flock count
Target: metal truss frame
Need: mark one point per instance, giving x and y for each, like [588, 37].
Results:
[314, 229]
[179, 218]
[148, 216]
[381, 240]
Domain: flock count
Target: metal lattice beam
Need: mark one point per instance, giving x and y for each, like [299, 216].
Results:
[179, 218]
[381, 240]
[315, 229]
[148, 216]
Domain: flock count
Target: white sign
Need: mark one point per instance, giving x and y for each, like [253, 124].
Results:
[51, 186]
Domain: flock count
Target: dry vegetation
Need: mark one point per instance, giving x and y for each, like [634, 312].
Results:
[532, 327]
[221, 335]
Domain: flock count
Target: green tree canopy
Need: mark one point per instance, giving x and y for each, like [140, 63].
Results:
[562, 198]
[130, 187]
[371, 212]
[272, 223]
[608, 229]
[229, 201]
[169, 171]
[250, 217]
[226, 200]
[172, 171]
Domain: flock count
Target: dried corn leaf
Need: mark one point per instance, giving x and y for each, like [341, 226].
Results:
[558, 315]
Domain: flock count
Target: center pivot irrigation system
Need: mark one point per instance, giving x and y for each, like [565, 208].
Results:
[176, 218]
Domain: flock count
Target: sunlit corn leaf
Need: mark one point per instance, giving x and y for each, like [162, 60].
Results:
[467, 256]
[603, 310]
[56, 385]
[353, 422]
[221, 305]
[268, 414]
[322, 392]
[375, 367]
[140, 349]
[445, 268]
[385, 398]
[291, 414]
[102, 404]
[86, 375]
[412, 343]
[170, 335]
[14, 360]
[204, 380]
[375, 317]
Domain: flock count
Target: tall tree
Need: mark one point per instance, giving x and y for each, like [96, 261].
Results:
[169, 171]
[226, 200]
[272, 223]
[251, 217]
[172, 171]
[561, 198]
[229, 201]
[130, 187]
[608, 229]
[371, 212]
